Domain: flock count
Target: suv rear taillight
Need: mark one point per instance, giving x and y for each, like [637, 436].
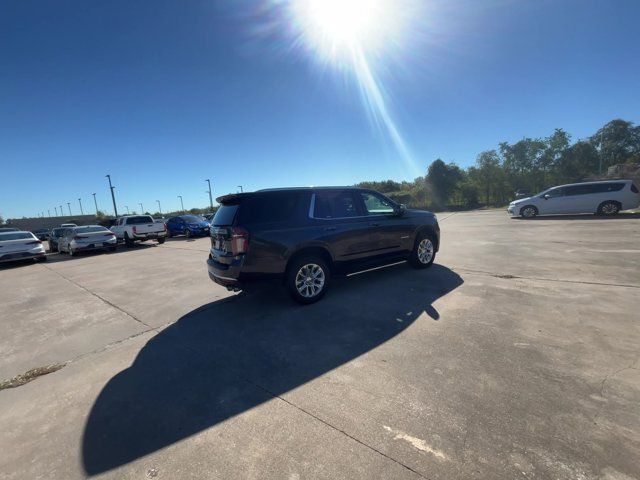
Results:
[239, 240]
[634, 189]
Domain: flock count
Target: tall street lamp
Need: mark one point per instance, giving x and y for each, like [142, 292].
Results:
[181, 204]
[80, 202]
[141, 208]
[49, 212]
[240, 187]
[61, 211]
[159, 207]
[127, 207]
[113, 197]
[96, 202]
[210, 198]
[56, 209]
[69, 205]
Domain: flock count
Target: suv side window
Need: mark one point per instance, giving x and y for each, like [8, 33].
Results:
[376, 204]
[578, 190]
[555, 192]
[269, 207]
[335, 205]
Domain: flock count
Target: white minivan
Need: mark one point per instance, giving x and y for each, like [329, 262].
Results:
[601, 198]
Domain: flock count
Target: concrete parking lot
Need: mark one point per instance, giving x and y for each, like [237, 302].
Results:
[517, 355]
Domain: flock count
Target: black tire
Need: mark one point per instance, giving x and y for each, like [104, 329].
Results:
[609, 207]
[424, 251]
[187, 233]
[127, 241]
[161, 240]
[528, 211]
[294, 275]
[42, 259]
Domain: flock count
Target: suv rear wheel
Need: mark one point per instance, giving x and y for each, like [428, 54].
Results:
[308, 278]
[608, 208]
[424, 252]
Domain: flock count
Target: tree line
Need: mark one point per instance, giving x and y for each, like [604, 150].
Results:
[531, 164]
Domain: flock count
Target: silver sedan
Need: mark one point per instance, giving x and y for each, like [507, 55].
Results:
[82, 239]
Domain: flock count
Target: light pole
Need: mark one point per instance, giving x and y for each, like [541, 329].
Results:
[181, 204]
[69, 206]
[80, 202]
[141, 208]
[56, 209]
[49, 212]
[210, 199]
[159, 207]
[127, 207]
[96, 202]
[240, 187]
[61, 211]
[113, 197]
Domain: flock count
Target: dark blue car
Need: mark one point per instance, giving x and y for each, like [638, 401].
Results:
[189, 225]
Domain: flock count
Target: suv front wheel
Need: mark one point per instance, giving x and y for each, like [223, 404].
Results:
[424, 252]
[308, 278]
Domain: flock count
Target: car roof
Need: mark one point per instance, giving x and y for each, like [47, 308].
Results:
[17, 231]
[593, 183]
[235, 196]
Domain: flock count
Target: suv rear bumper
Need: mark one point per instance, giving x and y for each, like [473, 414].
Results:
[223, 274]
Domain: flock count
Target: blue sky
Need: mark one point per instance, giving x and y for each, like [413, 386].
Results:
[163, 94]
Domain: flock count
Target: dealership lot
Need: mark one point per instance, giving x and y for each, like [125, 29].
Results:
[516, 356]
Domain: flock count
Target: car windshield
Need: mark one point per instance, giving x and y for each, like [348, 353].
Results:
[16, 236]
[56, 232]
[192, 218]
[90, 229]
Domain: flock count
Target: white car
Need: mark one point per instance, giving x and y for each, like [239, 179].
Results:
[133, 228]
[601, 198]
[83, 239]
[19, 246]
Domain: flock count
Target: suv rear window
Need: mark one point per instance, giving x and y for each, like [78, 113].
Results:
[271, 207]
[225, 214]
[139, 220]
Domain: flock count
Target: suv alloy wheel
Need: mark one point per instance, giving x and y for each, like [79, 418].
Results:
[423, 253]
[307, 279]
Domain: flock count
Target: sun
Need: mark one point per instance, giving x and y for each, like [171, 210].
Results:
[337, 27]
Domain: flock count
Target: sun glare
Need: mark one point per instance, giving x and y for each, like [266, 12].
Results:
[356, 36]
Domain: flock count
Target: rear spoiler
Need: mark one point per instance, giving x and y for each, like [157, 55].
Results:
[231, 198]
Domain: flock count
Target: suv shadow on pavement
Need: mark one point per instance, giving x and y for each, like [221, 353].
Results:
[232, 355]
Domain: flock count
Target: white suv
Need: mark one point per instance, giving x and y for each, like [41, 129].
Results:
[601, 198]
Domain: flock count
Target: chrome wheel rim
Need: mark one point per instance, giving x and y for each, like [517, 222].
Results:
[528, 212]
[425, 250]
[609, 208]
[310, 280]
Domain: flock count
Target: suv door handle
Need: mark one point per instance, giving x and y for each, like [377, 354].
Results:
[374, 224]
[329, 229]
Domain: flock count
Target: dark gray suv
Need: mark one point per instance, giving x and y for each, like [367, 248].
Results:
[305, 236]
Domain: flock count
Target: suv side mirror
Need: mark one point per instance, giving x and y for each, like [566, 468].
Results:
[546, 196]
[399, 210]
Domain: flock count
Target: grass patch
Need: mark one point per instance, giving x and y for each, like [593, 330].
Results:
[30, 375]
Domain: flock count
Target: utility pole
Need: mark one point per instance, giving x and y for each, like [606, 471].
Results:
[113, 197]
[181, 204]
[210, 199]
[80, 202]
[141, 208]
[69, 205]
[159, 207]
[96, 202]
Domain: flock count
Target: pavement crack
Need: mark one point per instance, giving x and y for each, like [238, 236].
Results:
[540, 279]
[111, 304]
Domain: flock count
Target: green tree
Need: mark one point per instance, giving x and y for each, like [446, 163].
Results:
[442, 179]
[617, 141]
